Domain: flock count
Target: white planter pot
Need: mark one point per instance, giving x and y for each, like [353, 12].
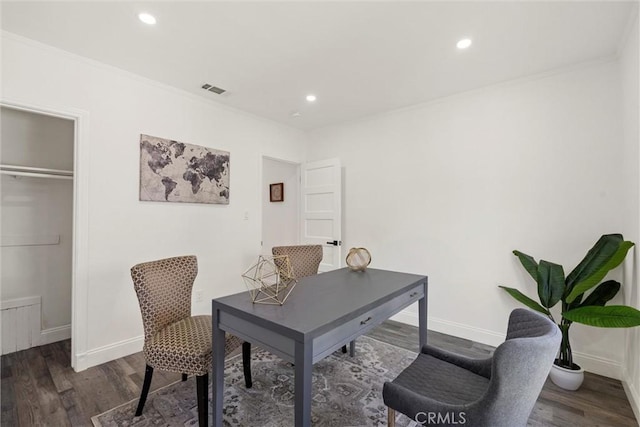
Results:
[567, 379]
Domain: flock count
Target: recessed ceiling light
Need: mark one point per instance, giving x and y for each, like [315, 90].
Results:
[311, 98]
[147, 18]
[463, 44]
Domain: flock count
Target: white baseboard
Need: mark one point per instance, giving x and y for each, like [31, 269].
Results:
[597, 365]
[108, 353]
[632, 395]
[460, 330]
[51, 335]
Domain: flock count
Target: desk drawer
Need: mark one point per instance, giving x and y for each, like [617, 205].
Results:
[326, 343]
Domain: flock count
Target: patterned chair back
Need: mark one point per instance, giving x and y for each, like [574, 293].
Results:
[304, 259]
[164, 290]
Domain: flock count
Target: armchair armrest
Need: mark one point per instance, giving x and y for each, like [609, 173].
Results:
[477, 366]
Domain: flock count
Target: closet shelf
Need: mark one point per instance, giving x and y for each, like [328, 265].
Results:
[30, 240]
[14, 170]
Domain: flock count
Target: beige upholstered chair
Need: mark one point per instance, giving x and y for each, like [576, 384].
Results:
[174, 340]
[304, 259]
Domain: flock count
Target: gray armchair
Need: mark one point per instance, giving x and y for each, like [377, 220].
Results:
[446, 389]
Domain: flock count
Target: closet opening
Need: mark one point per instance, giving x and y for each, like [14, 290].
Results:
[37, 203]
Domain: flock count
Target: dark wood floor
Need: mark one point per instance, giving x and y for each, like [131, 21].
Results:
[39, 388]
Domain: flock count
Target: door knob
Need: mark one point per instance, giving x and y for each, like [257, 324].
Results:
[334, 243]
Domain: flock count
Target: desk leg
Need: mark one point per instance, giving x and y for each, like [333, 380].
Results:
[304, 367]
[422, 317]
[352, 348]
[218, 370]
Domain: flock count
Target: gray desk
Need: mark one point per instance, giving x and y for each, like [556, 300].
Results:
[323, 313]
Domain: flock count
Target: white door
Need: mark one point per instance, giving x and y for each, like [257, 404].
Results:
[321, 215]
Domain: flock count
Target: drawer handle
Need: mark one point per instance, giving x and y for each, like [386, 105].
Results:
[413, 295]
[364, 322]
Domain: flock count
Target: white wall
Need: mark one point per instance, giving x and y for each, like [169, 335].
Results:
[37, 207]
[450, 188]
[280, 220]
[629, 74]
[124, 231]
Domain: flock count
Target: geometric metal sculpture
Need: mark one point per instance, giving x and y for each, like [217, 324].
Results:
[270, 280]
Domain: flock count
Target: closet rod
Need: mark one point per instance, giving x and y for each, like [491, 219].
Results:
[14, 170]
[35, 170]
[35, 174]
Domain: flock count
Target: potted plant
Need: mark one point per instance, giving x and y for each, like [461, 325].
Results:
[553, 287]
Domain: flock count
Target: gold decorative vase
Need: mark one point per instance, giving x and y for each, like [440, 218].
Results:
[358, 259]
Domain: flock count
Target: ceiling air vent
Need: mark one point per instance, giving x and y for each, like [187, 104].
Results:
[213, 89]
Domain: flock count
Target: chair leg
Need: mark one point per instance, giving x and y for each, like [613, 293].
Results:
[203, 399]
[184, 377]
[148, 373]
[344, 348]
[246, 363]
[391, 417]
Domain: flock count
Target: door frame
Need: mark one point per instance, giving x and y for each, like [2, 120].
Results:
[298, 165]
[80, 241]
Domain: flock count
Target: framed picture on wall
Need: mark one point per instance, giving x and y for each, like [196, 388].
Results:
[173, 171]
[276, 192]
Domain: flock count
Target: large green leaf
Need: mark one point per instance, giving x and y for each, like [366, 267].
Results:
[528, 263]
[550, 278]
[602, 294]
[601, 263]
[613, 316]
[604, 248]
[525, 300]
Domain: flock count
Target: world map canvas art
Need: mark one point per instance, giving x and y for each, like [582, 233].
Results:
[172, 171]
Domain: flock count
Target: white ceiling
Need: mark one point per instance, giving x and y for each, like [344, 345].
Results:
[359, 58]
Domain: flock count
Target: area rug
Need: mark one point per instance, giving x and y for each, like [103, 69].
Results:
[346, 392]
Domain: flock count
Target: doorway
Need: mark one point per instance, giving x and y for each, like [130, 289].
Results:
[280, 215]
[310, 212]
[68, 177]
[36, 228]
